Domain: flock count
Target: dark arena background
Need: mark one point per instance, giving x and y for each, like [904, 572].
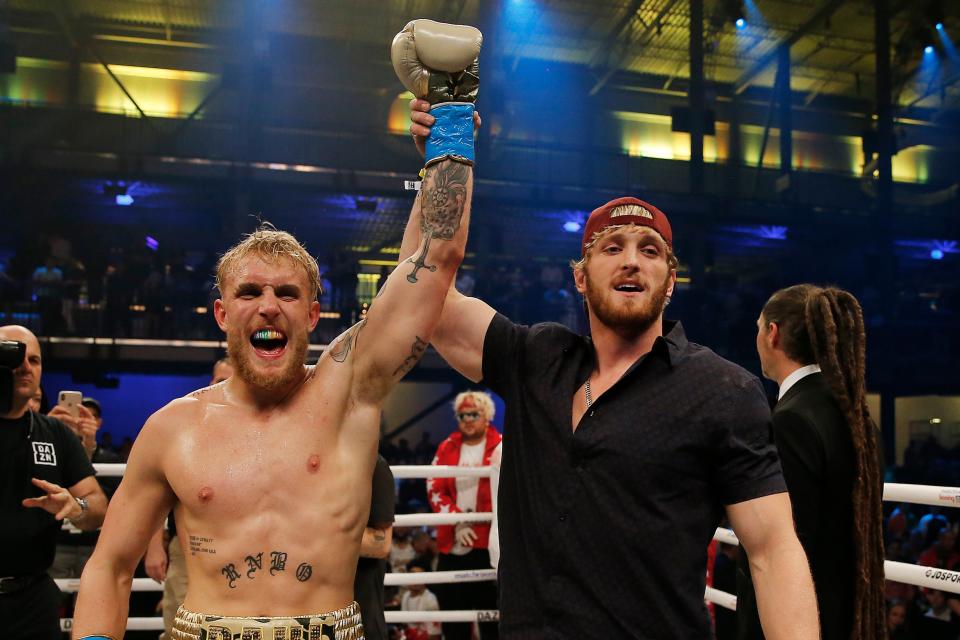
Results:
[788, 141]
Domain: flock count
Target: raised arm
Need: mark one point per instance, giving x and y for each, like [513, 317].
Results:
[135, 514]
[400, 323]
[781, 574]
[464, 320]
[438, 62]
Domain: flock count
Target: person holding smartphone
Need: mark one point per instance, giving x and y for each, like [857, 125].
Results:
[45, 477]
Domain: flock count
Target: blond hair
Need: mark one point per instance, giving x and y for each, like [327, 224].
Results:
[269, 243]
[672, 261]
[481, 399]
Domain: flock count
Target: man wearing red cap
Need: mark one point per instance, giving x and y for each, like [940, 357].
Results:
[623, 450]
[466, 545]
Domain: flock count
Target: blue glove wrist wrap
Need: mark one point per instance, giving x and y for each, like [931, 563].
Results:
[452, 132]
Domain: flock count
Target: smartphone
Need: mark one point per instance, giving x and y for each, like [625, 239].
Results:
[70, 400]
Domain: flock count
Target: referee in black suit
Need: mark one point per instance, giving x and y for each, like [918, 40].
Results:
[811, 342]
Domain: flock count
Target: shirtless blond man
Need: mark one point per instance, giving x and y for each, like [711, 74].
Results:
[269, 473]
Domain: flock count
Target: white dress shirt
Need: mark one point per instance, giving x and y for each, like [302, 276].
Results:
[796, 377]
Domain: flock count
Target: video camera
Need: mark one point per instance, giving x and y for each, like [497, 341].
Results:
[11, 356]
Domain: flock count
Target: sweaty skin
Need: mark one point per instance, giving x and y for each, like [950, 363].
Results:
[276, 535]
[302, 523]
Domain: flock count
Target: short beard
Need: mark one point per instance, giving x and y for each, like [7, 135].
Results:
[272, 381]
[629, 318]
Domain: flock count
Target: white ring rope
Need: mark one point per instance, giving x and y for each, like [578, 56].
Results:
[916, 575]
[435, 519]
[727, 536]
[390, 580]
[721, 598]
[401, 471]
[922, 494]
[940, 579]
[392, 617]
[892, 492]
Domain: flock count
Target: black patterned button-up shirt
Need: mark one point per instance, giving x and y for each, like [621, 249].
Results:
[604, 530]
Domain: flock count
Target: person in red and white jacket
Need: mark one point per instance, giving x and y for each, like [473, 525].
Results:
[465, 546]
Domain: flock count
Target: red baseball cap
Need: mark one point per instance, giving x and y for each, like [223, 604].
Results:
[626, 211]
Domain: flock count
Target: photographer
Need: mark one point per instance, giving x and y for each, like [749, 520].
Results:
[45, 476]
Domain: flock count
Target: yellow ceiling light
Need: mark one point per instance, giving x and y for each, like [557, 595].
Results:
[398, 120]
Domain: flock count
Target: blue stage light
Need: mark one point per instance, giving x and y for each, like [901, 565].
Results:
[741, 23]
[124, 199]
[939, 26]
[936, 254]
[928, 49]
[571, 226]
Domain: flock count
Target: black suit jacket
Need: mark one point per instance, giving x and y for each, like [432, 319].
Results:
[816, 451]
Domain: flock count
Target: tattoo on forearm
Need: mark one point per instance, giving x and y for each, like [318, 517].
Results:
[199, 544]
[253, 564]
[442, 200]
[345, 344]
[421, 261]
[416, 352]
[304, 571]
[230, 571]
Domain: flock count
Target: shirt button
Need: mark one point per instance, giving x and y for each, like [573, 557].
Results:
[592, 411]
[563, 517]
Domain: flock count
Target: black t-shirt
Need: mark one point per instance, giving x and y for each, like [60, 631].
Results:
[368, 585]
[604, 531]
[34, 446]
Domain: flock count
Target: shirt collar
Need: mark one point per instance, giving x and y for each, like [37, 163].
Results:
[796, 377]
[668, 347]
[671, 345]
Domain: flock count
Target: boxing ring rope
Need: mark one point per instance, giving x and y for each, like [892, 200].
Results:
[392, 617]
[941, 579]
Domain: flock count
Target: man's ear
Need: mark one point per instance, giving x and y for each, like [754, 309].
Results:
[220, 314]
[773, 335]
[580, 280]
[314, 314]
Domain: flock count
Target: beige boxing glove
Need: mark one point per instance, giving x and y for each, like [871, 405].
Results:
[439, 62]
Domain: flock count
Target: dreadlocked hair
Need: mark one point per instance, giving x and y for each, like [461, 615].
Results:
[824, 325]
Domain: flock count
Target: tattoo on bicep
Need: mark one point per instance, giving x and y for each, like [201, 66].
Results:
[416, 352]
[346, 343]
[230, 572]
[199, 544]
[379, 536]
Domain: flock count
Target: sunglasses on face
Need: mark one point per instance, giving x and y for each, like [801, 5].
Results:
[468, 416]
